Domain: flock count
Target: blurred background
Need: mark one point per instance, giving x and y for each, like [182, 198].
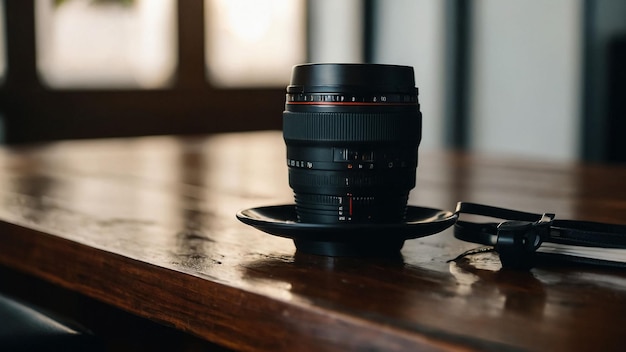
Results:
[540, 79]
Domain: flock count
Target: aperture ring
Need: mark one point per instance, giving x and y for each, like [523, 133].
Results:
[351, 126]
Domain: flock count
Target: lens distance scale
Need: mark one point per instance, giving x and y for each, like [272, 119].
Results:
[347, 99]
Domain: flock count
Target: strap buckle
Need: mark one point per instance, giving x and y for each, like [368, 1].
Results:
[517, 236]
[517, 241]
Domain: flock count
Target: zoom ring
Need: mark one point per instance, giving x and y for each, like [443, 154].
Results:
[350, 127]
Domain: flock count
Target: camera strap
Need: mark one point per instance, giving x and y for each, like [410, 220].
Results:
[524, 240]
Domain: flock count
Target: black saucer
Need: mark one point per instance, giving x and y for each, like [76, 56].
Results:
[347, 239]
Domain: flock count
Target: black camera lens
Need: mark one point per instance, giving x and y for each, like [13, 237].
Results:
[352, 133]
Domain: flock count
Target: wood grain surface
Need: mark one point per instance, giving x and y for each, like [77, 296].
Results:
[148, 225]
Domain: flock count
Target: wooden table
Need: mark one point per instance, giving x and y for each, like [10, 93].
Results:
[148, 225]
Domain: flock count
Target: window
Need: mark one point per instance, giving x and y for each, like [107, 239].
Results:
[253, 42]
[95, 44]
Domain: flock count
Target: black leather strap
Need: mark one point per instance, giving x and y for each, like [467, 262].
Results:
[518, 238]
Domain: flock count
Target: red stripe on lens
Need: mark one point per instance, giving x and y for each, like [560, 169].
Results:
[343, 103]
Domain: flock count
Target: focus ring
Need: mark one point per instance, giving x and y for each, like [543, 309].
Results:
[350, 127]
[400, 179]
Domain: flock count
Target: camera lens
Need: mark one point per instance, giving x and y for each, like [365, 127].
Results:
[352, 133]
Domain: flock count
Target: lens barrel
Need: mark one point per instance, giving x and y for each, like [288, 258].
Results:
[352, 133]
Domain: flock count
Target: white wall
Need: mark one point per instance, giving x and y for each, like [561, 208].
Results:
[336, 31]
[526, 66]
